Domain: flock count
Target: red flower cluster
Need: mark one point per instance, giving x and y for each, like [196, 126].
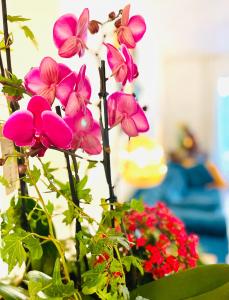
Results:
[160, 239]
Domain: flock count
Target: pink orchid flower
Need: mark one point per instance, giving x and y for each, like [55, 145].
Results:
[80, 96]
[122, 66]
[50, 80]
[131, 30]
[38, 127]
[123, 108]
[70, 34]
[86, 132]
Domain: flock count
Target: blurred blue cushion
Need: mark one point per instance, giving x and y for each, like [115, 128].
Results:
[202, 199]
[198, 176]
[174, 185]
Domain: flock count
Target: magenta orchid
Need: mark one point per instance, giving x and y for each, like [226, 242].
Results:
[123, 108]
[86, 132]
[38, 127]
[70, 34]
[50, 80]
[131, 30]
[80, 95]
[122, 65]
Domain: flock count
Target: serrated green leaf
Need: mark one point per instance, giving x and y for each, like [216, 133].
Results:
[35, 175]
[29, 34]
[13, 252]
[137, 205]
[17, 19]
[132, 260]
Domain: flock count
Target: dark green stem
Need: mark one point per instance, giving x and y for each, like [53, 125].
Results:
[105, 134]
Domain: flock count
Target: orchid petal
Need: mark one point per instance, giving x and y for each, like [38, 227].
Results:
[140, 120]
[137, 26]
[56, 130]
[19, 128]
[114, 57]
[49, 70]
[64, 71]
[91, 144]
[127, 104]
[70, 47]
[114, 116]
[65, 87]
[83, 24]
[96, 130]
[83, 87]
[130, 64]
[36, 106]
[33, 82]
[83, 121]
[125, 15]
[121, 73]
[64, 28]
[129, 127]
[73, 105]
[125, 37]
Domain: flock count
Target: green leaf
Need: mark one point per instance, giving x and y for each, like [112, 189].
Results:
[92, 164]
[13, 252]
[11, 292]
[35, 175]
[82, 192]
[137, 205]
[50, 207]
[201, 283]
[29, 34]
[52, 287]
[132, 260]
[17, 19]
[14, 244]
[93, 282]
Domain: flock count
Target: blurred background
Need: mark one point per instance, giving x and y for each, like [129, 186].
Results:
[183, 62]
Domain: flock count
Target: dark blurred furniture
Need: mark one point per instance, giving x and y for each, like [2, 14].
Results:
[186, 191]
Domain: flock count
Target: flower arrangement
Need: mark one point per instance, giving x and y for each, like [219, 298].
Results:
[103, 263]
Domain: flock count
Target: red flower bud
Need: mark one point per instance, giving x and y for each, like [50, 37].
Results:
[117, 23]
[93, 26]
[112, 15]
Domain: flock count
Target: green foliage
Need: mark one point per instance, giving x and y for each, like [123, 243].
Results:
[15, 246]
[17, 19]
[10, 292]
[33, 176]
[83, 193]
[201, 283]
[30, 35]
[4, 181]
[52, 287]
[137, 204]
[12, 85]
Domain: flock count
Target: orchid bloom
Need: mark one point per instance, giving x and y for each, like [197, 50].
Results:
[50, 80]
[80, 95]
[70, 34]
[122, 69]
[123, 108]
[131, 30]
[86, 132]
[38, 127]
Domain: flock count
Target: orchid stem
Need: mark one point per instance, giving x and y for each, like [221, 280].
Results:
[105, 134]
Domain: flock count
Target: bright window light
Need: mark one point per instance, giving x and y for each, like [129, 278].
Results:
[223, 86]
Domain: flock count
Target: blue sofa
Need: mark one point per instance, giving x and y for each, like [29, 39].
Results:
[186, 191]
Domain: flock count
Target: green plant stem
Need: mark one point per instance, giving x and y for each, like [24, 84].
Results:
[51, 232]
[105, 134]
[76, 201]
